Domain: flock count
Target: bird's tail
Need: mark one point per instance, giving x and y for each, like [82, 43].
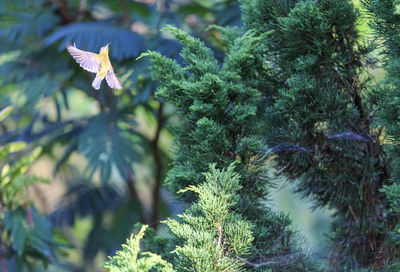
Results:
[97, 82]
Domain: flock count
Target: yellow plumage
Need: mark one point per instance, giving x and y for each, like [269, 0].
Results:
[96, 63]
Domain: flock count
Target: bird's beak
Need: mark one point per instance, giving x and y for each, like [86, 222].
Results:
[108, 44]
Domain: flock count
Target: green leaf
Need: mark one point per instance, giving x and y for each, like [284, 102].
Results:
[5, 112]
[16, 146]
[106, 145]
[193, 8]
[14, 223]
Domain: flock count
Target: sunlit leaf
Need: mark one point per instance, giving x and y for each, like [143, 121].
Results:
[16, 146]
[5, 112]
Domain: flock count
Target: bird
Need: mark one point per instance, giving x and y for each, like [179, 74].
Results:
[96, 63]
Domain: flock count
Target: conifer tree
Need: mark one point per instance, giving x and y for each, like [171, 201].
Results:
[212, 236]
[319, 120]
[386, 23]
[222, 122]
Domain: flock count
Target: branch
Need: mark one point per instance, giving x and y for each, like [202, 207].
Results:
[3, 264]
[158, 166]
[283, 260]
[349, 135]
[219, 235]
[125, 13]
[133, 193]
[29, 214]
[282, 148]
[64, 11]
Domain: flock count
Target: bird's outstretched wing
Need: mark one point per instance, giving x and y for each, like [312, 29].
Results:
[112, 80]
[87, 60]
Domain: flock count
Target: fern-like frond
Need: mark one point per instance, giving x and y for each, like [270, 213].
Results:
[16, 26]
[18, 5]
[35, 89]
[29, 238]
[84, 199]
[106, 144]
[91, 36]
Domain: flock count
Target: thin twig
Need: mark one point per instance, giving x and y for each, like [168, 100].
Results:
[3, 264]
[219, 236]
[283, 260]
[29, 213]
[352, 213]
[282, 169]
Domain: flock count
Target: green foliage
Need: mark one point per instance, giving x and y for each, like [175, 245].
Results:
[386, 23]
[318, 120]
[129, 260]
[205, 95]
[95, 136]
[29, 238]
[19, 23]
[213, 236]
[26, 236]
[13, 180]
[127, 44]
[5, 112]
[35, 68]
[105, 142]
[393, 194]
[293, 88]
[222, 116]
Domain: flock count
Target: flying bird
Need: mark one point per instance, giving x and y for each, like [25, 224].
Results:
[96, 63]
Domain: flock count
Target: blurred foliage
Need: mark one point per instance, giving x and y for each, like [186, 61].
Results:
[26, 242]
[110, 149]
[96, 139]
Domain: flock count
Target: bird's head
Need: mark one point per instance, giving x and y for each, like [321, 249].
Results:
[104, 49]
